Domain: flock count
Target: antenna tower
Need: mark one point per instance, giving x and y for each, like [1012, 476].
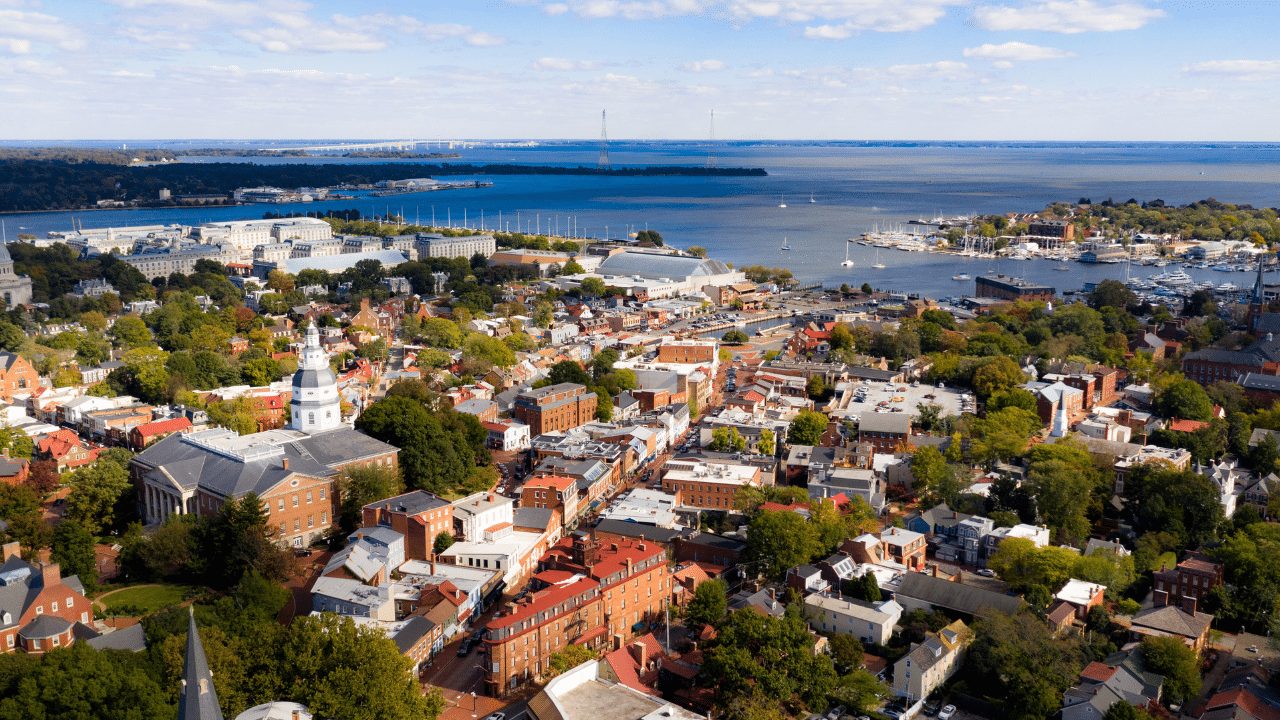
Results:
[604, 145]
[711, 147]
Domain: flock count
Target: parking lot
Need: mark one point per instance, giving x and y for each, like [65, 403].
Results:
[870, 397]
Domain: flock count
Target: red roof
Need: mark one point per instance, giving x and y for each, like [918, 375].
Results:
[1246, 700]
[163, 426]
[1098, 672]
[550, 481]
[494, 427]
[546, 601]
[753, 396]
[1187, 425]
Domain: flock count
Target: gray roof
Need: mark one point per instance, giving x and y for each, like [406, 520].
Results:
[956, 596]
[885, 422]
[343, 445]
[132, 638]
[1254, 381]
[1173, 620]
[190, 464]
[411, 503]
[381, 535]
[44, 626]
[474, 406]
[338, 263]
[413, 631]
[654, 266]
[630, 529]
[532, 517]
[198, 699]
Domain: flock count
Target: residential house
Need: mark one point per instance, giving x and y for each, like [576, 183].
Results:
[918, 591]
[38, 607]
[1186, 624]
[1192, 579]
[931, 663]
[1081, 596]
[869, 622]
[418, 516]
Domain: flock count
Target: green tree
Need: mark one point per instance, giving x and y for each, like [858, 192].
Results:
[569, 658]
[780, 540]
[74, 553]
[361, 485]
[1062, 494]
[593, 287]
[846, 652]
[1013, 397]
[999, 374]
[1185, 399]
[130, 332]
[1110, 293]
[97, 491]
[441, 333]
[766, 444]
[89, 683]
[928, 469]
[866, 288]
[1167, 656]
[727, 439]
[807, 428]
[572, 268]
[443, 541]
[709, 603]
[1122, 710]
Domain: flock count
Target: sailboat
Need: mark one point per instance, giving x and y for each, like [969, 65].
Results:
[785, 245]
[811, 198]
[878, 265]
[847, 262]
[783, 203]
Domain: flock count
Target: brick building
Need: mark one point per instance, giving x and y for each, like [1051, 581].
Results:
[418, 515]
[524, 635]
[884, 431]
[550, 492]
[16, 376]
[39, 607]
[1052, 228]
[555, 407]
[1012, 289]
[1193, 578]
[687, 352]
[714, 486]
[140, 436]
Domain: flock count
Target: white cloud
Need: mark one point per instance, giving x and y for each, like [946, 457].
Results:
[703, 66]
[311, 38]
[555, 9]
[157, 38]
[126, 73]
[848, 16]
[562, 64]
[1247, 70]
[1067, 16]
[484, 39]
[35, 68]
[944, 70]
[1003, 56]
[18, 29]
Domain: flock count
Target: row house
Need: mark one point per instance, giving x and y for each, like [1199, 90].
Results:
[709, 486]
[141, 436]
[114, 425]
[417, 515]
[526, 634]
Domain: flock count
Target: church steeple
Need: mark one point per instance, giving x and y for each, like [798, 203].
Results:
[197, 700]
[1257, 302]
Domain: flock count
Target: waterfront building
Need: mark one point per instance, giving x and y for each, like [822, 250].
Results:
[160, 261]
[437, 245]
[1012, 288]
[1052, 228]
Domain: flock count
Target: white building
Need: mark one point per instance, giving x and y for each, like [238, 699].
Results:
[315, 406]
[869, 622]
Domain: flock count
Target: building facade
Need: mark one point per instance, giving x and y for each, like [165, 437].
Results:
[555, 407]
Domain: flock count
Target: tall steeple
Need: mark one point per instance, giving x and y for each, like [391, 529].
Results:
[197, 700]
[315, 405]
[1257, 302]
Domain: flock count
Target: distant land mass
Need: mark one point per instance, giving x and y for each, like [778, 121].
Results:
[32, 182]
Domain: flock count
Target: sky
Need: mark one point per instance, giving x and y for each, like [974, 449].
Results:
[1071, 70]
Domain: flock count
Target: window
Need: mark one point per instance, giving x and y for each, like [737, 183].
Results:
[324, 517]
[70, 601]
[55, 607]
[39, 609]
[281, 504]
[55, 641]
[35, 644]
[297, 525]
[295, 501]
[308, 497]
[322, 493]
[283, 529]
[311, 418]
[311, 521]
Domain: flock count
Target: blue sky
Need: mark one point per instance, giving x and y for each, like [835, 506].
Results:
[783, 69]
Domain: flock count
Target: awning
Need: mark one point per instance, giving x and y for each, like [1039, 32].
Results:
[588, 637]
[638, 627]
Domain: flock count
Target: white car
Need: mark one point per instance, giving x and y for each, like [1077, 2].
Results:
[947, 712]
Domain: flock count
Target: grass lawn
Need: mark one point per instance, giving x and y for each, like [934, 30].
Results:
[147, 599]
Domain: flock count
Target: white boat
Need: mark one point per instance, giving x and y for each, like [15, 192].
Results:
[961, 277]
[785, 245]
[784, 202]
[1061, 268]
[847, 262]
[811, 198]
[1227, 287]
[877, 265]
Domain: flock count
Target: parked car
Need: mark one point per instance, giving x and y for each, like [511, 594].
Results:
[464, 648]
[836, 712]
[891, 712]
[987, 572]
[478, 633]
[947, 713]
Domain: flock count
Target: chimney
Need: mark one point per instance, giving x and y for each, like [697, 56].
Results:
[295, 715]
[617, 641]
[51, 574]
[286, 463]
[640, 652]
[9, 550]
[511, 608]
[433, 567]
[628, 567]
[613, 547]
[773, 595]
[491, 497]
[1189, 604]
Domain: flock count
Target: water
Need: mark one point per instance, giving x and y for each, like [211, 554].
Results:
[856, 187]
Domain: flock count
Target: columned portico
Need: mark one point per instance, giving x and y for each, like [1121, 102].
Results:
[161, 502]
